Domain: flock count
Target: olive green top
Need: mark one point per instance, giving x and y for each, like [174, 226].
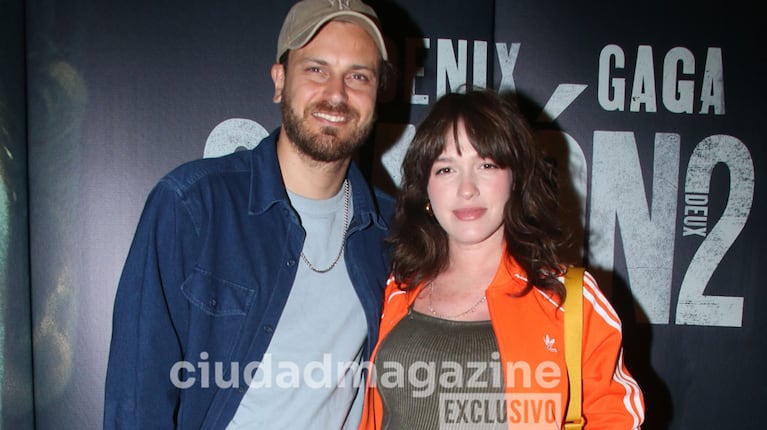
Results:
[434, 373]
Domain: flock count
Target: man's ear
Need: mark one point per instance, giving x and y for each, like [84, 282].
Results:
[278, 77]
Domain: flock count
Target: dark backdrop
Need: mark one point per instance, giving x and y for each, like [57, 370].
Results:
[650, 113]
[16, 409]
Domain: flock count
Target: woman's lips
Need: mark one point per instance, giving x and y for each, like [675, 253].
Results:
[469, 214]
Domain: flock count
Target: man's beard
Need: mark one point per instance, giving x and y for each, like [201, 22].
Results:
[325, 146]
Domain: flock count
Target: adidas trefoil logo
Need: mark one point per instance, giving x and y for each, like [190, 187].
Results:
[549, 342]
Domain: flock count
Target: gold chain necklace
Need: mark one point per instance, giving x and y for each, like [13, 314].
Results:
[450, 317]
[347, 203]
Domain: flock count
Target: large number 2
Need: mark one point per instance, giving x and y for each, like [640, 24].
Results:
[694, 307]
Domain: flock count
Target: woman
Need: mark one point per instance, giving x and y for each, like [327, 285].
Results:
[472, 328]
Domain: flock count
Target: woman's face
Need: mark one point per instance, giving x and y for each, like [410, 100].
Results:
[468, 193]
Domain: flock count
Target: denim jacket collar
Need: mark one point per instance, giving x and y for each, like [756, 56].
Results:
[267, 187]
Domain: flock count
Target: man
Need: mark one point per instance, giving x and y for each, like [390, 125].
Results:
[252, 291]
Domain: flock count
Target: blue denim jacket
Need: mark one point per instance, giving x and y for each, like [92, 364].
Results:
[206, 279]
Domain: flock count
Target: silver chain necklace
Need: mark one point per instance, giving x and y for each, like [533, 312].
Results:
[347, 204]
[451, 317]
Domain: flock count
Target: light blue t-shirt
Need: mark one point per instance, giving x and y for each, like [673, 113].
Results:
[310, 377]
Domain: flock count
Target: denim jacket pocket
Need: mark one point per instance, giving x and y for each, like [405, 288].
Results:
[216, 296]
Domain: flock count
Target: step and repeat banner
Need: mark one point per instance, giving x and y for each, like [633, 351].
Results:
[651, 115]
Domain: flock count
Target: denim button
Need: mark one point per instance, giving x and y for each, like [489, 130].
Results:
[291, 262]
[268, 329]
[213, 303]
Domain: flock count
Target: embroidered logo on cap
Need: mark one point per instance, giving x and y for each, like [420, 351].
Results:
[341, 4]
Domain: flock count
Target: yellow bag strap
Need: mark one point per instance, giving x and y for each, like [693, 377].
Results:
[573, 345]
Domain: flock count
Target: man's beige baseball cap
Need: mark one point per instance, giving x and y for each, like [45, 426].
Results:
[307, 17]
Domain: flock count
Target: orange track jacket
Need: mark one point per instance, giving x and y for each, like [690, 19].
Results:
[530, 336]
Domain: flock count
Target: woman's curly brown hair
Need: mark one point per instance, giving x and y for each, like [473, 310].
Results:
[497, 130]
